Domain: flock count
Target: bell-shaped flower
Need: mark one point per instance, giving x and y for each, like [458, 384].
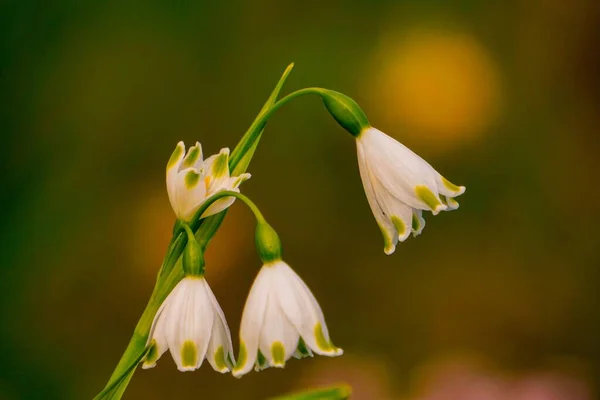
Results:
[399, 185]
[191, 180]
[191, 324]
[281, 319]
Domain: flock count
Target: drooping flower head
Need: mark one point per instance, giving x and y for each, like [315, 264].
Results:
[190, 322]
[281, 317]
[398, 183]
[191, 180]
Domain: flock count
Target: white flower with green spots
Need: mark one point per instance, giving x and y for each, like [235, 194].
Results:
[281, 319]
[191, 180]
[191, 324]
[399, 186]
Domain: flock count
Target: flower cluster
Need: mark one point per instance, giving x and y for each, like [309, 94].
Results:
[281, 318]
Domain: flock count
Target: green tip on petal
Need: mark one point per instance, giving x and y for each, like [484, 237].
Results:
[191, 157]
[322, 343]
[388, 243]
[451, 186]
[229, 361]
[400, 225]
[278, 354]
[191, 179]
[242, 356]
[189, 355]
[220, 359]
[416, 223]
[151, 356]
[221, 164]
[302, 349]
[261, 361]
[426, 196]
[240, 179]
[452, 203]
[177, 154]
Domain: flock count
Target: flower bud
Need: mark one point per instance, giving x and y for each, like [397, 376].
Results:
[345, 111]
[193, 258]
[268, 244]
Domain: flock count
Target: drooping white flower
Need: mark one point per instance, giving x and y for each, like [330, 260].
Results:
[281, 319]
[191, 180]
[399, 185]
[191, 324]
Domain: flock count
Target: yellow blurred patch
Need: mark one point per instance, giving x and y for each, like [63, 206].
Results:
[438, 84]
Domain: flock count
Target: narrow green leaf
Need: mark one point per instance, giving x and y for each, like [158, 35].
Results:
[339, 392]
[115, 389]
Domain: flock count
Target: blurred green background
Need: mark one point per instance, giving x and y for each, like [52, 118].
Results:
[498, 300]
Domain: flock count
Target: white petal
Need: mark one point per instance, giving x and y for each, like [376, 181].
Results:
[156, 338]
[189, 324]
[395, 211]
[220, 348]
[236, 181]
[191, 193]
[218, 170]
[390, 238]
[219, 205]
[447, 188]
[193, 158]
[303, 311]
[278, 337]
[452, 204]
[252, 321]
[172, 171]
[400, 170]
[231, 184]
[418, 222]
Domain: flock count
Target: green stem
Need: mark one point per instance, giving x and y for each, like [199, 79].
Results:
[188, 231]
[227, 193]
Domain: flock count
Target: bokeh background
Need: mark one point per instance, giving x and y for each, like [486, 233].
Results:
[496, 301]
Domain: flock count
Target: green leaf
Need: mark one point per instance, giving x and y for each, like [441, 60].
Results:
[115, 389]
[339, 392]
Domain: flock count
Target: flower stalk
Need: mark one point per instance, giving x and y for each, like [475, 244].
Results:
[171, 271]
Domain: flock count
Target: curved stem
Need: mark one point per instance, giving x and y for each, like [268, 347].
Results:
[228, 193]
[264, 117]
[188, 231]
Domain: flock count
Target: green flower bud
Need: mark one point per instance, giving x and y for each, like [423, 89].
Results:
[193, 258]
[345, 111]
[268, 244]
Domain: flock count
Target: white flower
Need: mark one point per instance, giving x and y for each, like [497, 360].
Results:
[191, 180]
[399, 185]
[191, 324]
[281, 319]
